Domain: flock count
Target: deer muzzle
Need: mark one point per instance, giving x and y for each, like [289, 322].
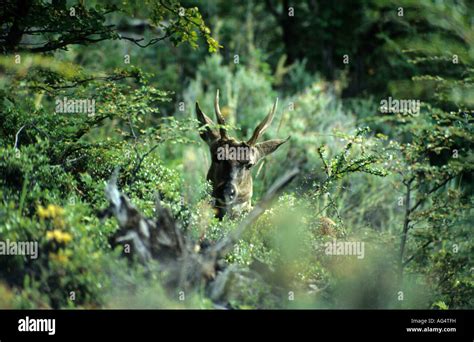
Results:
[230, 193]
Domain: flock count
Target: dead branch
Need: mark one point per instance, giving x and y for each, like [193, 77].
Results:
[163, 240]
[17, 135]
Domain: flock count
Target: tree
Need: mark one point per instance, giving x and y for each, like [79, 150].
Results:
[40, 26]
[434, 156]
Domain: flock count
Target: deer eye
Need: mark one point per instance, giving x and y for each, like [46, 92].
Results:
[248, 166]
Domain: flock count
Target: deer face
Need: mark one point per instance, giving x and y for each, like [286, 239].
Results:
[230, 173]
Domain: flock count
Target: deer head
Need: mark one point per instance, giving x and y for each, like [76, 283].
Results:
[230, 172]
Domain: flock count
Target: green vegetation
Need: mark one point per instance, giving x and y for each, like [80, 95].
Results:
[400, 182]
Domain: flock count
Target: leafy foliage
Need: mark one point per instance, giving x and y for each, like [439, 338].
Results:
[401, 183]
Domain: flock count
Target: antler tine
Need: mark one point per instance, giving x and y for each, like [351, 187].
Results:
[220, 117]
[263, 125]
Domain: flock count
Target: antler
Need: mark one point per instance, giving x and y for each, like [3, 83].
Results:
[220, 117]
[263, 125]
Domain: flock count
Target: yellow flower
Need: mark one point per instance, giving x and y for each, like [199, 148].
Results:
[66, 237]
[55, 211]
[42, 212]
[49, 235]
[51, 211]
[59, 236]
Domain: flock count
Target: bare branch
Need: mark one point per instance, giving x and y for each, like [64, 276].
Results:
[153, 41]
[426, 244]
[140, 161]
[437, 187]
[16, 136]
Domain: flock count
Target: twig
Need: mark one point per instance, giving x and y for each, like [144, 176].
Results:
[140, 161]
[439, 186]
[414, 254]
[153, 41]
[16, 136]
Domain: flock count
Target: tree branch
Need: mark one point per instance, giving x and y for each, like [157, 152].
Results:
[414, 254]
[439, 186]
[16, 136]
[406, 225]
[150, 42]
[272, 9]
[83, 81]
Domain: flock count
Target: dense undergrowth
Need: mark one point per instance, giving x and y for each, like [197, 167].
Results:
[400, 184]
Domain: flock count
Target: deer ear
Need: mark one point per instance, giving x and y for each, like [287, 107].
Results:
[207, 134]
[267, 147]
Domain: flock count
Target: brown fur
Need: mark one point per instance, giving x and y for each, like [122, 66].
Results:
[231, 179]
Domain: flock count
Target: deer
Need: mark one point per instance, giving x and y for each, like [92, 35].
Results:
[232, 160]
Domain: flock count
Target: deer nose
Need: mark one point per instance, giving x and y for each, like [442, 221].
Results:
[230, 192]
